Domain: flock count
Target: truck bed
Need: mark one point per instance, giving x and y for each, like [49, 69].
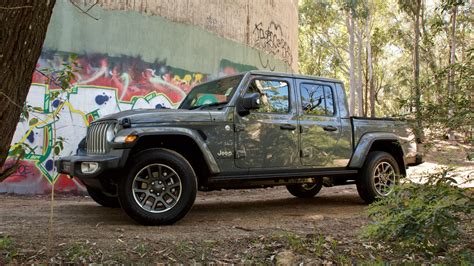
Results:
[401, 128]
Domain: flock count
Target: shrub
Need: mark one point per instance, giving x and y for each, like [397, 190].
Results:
[426, 218]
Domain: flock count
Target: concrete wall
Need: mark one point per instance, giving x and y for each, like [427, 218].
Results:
[140, 54]
[268, 25]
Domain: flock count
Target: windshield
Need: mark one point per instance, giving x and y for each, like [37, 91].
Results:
[214, 93]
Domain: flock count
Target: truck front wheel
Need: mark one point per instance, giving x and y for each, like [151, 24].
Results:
[305, 190]
[378, 176]
[159, 189]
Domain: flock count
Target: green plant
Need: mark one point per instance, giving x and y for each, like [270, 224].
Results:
[8, 252]
[62, 78]
[80, 251]
[140, 249]
[318, 243]
[5, 243]
[184, 247]
[426, 218]
[291, 240]
[342, 259]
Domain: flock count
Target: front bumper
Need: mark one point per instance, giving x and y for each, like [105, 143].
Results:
[71, 165]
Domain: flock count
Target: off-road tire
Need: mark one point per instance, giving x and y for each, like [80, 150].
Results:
[366, 181]
[302, 191]
[103, 199]
[177, 163]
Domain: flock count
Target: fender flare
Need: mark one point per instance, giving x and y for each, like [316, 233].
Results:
[176, 131]
[365, 143]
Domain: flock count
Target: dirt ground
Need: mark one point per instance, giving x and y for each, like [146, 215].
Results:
[229, 226]
[219, 216]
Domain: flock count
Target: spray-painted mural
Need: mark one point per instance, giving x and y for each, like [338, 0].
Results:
[127, 60]
[103, 85]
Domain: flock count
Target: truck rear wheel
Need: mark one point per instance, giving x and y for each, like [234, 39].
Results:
[378, 176]
[102, 198]
[159, 189]
[305, 190]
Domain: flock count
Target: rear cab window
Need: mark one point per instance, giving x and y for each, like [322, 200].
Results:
[317, 99]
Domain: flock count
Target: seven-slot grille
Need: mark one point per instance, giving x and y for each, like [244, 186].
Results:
[97, 138]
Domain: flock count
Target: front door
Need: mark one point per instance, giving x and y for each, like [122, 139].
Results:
[268, 137]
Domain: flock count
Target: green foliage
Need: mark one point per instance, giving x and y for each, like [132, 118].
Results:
[321, 38]
[8, 252]
[141, 249]
[25, 113]
[79, 252]
[323, 51]
[5, 243]
[436, 113]
[20, 149]
[63, 78]
[58, 145]
[421, 218]
[448, 4]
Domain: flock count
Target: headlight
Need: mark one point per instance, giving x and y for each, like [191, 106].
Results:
[110, 134]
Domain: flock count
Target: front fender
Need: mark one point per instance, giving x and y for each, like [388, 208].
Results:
[193, 134]
[365, 142]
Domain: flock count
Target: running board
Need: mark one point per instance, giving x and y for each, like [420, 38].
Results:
[284, 176]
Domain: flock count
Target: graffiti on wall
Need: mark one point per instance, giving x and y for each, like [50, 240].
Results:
[211, 23]
[270, 38]
[103, 85]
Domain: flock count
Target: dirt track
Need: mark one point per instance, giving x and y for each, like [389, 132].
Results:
[220, 216]
[215, 214]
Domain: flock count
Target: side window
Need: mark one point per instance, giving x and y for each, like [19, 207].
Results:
[274, 95]
[317, 99]
[329, 101]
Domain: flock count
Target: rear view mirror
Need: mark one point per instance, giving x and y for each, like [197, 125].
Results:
[251, 101]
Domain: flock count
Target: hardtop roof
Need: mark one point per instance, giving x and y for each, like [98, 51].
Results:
[291, 75]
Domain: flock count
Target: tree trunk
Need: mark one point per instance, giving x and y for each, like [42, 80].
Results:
[370, 80]
[416, 74]
[463, 46]
[23, 25]
[350, 29]
[452, 61]
[360, 95]
[366, 86]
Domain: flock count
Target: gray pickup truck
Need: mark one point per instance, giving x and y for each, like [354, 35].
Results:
[251, 130]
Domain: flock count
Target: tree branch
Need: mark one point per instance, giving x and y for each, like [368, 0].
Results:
[85, 11]
[12, 169]
[335, 48]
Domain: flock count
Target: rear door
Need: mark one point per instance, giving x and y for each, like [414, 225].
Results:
[320, 125]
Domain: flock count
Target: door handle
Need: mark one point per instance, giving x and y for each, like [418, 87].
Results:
[288, 127]
[330, 128]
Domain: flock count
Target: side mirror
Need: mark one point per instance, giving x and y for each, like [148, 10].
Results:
[251, 101]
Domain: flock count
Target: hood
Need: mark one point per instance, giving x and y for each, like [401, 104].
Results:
[160, 115]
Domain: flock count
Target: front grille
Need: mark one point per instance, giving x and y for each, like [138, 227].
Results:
[97, 138]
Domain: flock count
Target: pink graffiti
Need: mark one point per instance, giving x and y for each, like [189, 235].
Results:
[29, 180]
[129, 76]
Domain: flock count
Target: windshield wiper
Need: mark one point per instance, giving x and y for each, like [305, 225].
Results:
[207, 105]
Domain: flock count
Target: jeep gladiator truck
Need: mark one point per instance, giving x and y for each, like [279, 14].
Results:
[251, 130]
